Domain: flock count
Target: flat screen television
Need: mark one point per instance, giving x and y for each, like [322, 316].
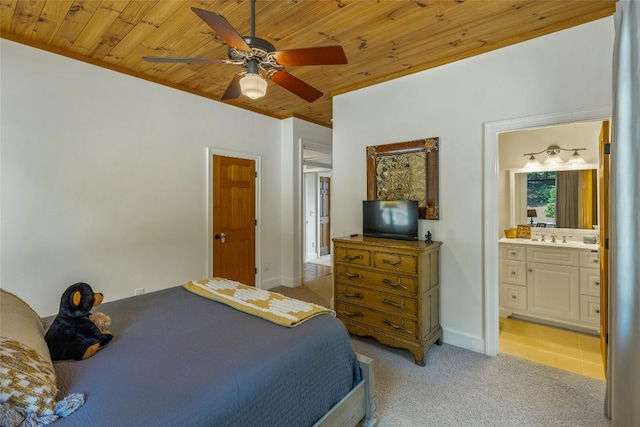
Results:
[390, 219]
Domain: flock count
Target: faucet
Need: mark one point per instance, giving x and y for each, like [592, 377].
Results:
[553, 238]
[564, 238]
[541, 237]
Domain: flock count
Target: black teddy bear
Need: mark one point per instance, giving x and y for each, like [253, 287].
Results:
[72, 335]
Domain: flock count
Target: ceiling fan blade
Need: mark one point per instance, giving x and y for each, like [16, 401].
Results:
[327, 55]
[233, 90]
[184, 60]
[296, 86]
[223, 28]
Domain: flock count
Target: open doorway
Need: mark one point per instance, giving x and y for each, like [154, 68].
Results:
[317, 210]
[500, 213]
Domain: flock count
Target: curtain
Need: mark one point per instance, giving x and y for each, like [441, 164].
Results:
[567, 190]
[623, 379]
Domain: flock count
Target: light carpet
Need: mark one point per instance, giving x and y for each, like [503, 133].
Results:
[460, 387]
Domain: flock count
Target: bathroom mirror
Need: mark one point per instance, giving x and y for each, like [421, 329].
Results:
[555, 198]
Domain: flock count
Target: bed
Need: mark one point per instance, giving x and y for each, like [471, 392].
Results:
[180, 359]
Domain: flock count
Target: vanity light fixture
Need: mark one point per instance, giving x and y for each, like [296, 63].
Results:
[532, 163]
[553, 156]
[576, 159]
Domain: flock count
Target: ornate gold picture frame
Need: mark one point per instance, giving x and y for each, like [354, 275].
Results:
[405, 171]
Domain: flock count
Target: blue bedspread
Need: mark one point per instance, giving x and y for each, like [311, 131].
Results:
[178, 359]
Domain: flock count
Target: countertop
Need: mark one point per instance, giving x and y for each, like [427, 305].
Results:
[558, 244]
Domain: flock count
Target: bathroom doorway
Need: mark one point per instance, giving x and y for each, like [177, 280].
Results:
[499, 331]
[550, 345]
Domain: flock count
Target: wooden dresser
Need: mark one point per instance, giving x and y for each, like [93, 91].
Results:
[389, 290]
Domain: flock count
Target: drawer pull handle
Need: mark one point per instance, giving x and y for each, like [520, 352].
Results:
[597, 311]
[352, 257]
[393, 285]
[596, 260]
[393, 263]
[348, 295]
[513, 253]
[356, 314]
[513, 297]
[596, 283]
[394, 326]
[513, 273]
[351, 275]
[393, 303]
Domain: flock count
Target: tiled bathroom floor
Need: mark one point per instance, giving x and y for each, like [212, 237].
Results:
[560, 348]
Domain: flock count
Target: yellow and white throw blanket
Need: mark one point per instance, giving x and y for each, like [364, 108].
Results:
[267, 305]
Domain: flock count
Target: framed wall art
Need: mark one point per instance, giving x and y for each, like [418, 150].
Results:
[405, 171]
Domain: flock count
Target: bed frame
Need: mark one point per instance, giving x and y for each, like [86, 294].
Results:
[359, 406]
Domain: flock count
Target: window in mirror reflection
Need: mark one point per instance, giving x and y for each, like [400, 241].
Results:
[562, 199]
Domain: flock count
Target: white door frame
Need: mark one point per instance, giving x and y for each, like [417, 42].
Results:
[490, 232]
[212, 151]
[321, 148]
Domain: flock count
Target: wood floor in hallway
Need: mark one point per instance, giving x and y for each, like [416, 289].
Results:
[314, 271]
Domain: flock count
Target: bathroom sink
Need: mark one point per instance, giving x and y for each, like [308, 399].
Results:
[558, 243]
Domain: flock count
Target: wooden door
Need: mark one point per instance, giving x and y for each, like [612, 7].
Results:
[324, 209]
[234, 219]
[603, 221]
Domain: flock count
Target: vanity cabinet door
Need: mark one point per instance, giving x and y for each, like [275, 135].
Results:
[553, 291]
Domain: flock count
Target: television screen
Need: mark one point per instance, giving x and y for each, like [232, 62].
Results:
[390, 219]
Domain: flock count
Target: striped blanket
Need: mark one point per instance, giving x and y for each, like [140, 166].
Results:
[267, 305]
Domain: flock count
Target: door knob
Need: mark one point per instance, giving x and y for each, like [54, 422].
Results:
[221, 236]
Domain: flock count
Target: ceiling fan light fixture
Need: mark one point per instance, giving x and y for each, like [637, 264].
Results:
[253, 85]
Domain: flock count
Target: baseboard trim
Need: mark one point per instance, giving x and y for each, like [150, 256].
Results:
[463, 340]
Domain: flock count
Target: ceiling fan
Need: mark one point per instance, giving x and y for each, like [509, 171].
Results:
[257, 56]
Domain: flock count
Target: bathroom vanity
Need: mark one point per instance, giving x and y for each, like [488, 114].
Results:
[551, 281]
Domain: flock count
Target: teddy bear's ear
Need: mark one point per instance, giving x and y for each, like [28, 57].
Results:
[76, 298]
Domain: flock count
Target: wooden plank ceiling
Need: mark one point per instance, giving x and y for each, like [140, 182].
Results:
[382, 39]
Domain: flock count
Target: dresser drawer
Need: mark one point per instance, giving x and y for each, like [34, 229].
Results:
[514, 272]
[392, 324]
[352, 256]
[590, 259]
[399, 263]
[513, 252]
[513, 296]
[375, 280]
[590, 309]
[590, 281]
[394, 304]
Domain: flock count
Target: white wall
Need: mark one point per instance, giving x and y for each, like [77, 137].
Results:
[564, 71]
[103, 178]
